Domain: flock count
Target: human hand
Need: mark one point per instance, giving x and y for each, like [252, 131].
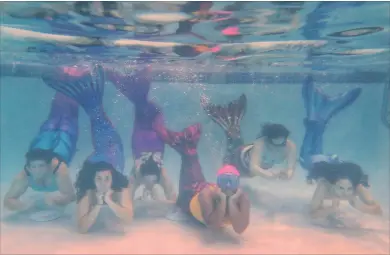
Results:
[100, 198]
[219, 195]
[236, 196]
[377, 210]
[285, 175]
[108, 196]
[51, 200]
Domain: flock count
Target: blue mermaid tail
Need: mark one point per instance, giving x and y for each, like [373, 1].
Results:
[86, 86]
[320, 108]
[59, 133]
[385, 114]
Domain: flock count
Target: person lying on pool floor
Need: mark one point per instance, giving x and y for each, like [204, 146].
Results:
[100, 185]
[47, 160]
[147, 146]
[337, 180]
[214, 205]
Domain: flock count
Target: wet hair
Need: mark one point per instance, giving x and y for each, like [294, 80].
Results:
[85, 179]
[273, 130]
[332, 172]
[39, 154]
[150, 167]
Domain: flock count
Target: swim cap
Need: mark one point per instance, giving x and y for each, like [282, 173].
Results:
[228, 178]
[228, 169]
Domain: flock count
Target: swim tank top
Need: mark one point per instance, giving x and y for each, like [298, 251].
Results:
[196, 211]
[53, 183]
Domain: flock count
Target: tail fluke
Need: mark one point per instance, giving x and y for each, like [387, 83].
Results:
[386, 106]
[321, 107]
[84, 85]
[229, 116]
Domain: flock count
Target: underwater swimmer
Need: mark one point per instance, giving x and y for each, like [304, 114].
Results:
[341, 181]
[47, 160]
[214, 205]
[336, 180]
[271, 148]
[100, 183]
[147, 145]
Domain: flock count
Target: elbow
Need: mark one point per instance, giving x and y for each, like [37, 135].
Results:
[71, 198]
[128, 217]
[239, 230]
[6, 204]
[82, 229]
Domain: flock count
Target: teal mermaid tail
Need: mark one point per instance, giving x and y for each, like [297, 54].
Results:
[385, 114]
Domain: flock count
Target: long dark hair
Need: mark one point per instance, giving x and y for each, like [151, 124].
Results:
[40, 154]
[150, 167]
[332, 172]
[273, 130]
[85, 179]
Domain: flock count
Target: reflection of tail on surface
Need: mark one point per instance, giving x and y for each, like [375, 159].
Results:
[320, 108]
[86, 86]
[59, 133]
[386, 106]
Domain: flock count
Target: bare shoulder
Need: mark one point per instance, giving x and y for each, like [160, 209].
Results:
[291, 145]
[21, 176]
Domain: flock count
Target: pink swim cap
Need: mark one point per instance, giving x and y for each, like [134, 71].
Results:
[228, 169]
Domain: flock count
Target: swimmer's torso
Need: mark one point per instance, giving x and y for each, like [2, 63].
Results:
[273, 155]
[269, 157]
[196, 210]
[47, 184]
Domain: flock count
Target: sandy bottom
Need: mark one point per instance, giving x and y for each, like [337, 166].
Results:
[278, 227]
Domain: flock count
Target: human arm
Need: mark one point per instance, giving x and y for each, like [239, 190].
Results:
[239, 211]
[213, 206]
[291, 159]
[123, 209]
[87, 214]
[167, 186]
[256, 161]
[65, 187]
[368, 204]
[316, 205]
[17, 189]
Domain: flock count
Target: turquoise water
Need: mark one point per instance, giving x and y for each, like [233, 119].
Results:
[279, 44]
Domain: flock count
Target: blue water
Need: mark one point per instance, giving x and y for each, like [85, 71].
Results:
[269, 75]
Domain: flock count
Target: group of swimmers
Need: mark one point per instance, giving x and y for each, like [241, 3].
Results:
[101, 183]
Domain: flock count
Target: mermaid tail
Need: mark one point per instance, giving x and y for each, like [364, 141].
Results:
[134, 86]
[385, 115]
[320, 108]
[86, 86]
[229, 116]
[191, 174]
[59, 133]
